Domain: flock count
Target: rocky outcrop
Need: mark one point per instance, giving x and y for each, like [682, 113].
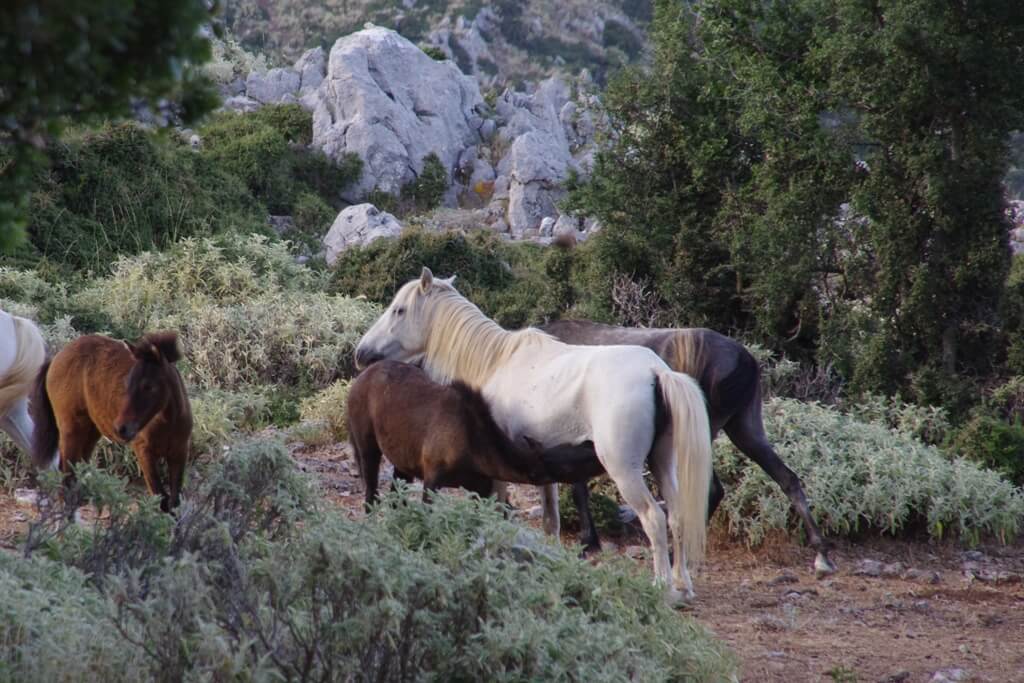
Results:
[378, 96]
[550, 134]
[274, 86]
[358, 225]
[392, 105]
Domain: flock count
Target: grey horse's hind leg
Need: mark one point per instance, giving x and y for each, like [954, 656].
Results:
[746, 430]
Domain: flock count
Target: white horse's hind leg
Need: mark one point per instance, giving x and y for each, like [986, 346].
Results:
[18, 425]
[549, 503]
[664, 470]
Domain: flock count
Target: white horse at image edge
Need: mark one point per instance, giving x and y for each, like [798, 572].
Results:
[555, 394]
[22, 352]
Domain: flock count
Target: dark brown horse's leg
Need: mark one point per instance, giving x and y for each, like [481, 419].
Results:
[588, 530]
[746, 430]
[148, 464]
[175, 476]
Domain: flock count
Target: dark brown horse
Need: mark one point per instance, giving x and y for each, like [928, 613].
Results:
[731, 380]
[444, 435]
[130, 394]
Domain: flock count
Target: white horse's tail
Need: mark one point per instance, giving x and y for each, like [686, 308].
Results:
[28, 357]
[691, 436]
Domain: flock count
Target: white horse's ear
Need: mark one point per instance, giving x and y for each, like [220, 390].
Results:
[450, 281]
[426, 279]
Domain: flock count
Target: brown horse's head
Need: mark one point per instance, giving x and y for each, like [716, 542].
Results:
[152, 382]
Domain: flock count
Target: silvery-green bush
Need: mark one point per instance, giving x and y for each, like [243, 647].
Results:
[247, 313]
[864, 476]
[255, 582]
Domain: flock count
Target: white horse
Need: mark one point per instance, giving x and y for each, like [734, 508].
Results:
[22, 352]
[554, 393]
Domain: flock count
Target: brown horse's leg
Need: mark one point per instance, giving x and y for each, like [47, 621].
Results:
[76, 444]
[147, 460]
[368, 456]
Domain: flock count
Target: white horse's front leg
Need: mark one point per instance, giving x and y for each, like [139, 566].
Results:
[549, 503]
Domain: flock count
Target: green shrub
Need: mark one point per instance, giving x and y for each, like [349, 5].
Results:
[149, 287]
[218, 415]
[248, 315]
[313, 218]
[326, 414]
[253, 582]
[993, 443]
[427, 190]
[862, 476]
[508, 282]
[269, 150]
[603, 508]
[434, 52]
[122, 189]
[255, 152]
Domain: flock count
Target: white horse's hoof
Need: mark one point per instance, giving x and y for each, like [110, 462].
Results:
[823, 566]
[680, 599]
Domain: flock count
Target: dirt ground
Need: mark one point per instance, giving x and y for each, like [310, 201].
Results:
[896, 610]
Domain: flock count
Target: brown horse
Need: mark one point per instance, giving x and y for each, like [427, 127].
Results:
[444, 435]
[128, 393]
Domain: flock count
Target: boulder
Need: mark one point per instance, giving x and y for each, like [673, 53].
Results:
[537, 167]
[273, 86]
[241, 104]
[358, 225]
[389, 103]
[311, 67]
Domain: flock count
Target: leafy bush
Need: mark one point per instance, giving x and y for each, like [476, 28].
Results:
[995, 444]
[247, 313]
[313, 218]
[240, 589]
[861, 476]
[269, 150]
[509, 282]
[427, 190]
[603, 508]
[122, 189]
[326, 412]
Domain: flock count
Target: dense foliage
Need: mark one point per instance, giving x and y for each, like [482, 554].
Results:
[87, 63]
[237, 588]
[122, 189]
[824, 173]
[862, 476]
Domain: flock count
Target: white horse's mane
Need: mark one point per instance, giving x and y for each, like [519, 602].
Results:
[462, 342]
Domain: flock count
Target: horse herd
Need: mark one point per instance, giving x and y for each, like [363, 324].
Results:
[451, 398]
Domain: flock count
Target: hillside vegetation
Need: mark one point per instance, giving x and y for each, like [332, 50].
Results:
[526, 41]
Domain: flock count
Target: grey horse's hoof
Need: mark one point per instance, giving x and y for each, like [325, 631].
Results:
[823, 566]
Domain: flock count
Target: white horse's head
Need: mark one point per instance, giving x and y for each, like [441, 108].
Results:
[401, 332]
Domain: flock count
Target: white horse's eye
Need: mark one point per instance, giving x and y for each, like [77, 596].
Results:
[400, 310]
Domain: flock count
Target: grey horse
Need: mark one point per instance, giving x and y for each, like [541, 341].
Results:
[731, 380]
